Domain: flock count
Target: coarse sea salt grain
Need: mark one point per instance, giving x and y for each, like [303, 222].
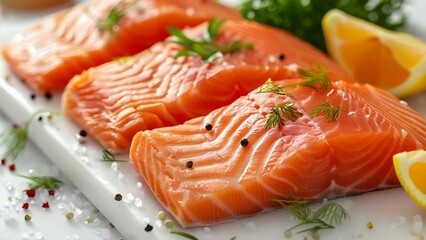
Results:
[73, 237]
[114, 166]
[250, 226]
[104, 233]
[138, 202]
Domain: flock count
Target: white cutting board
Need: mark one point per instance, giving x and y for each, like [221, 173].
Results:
[392, 213]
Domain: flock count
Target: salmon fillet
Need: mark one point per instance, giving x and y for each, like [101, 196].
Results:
[49, 54]
[114, 101]
[311, 158]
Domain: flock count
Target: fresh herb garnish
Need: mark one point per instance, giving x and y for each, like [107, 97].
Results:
[330, 112]
[184, 234]
[43, 182]
[280, 113]
[272, 87]
[107, 156]
[14, 139]
[190, 236]
[206, 48]
[316, 77]
[291, 15]
[310, 222]
[111, 22]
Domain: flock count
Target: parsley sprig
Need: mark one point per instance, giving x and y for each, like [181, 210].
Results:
[310, 222]
[206, 48]
[330, 112]
[45, 182]
[292, 15]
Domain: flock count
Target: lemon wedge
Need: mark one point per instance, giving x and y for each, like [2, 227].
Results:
[410, 167]
[393, 61]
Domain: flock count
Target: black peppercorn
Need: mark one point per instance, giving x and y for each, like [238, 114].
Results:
[189, 164]
[244, 142]
[209, 127]
[148, 228]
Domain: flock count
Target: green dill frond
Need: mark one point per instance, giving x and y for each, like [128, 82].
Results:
[280, 113]
[330, 112]
[107, 156]
[45, 182]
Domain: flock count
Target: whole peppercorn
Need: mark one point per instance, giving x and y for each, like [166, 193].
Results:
[25, 205]
[244, 142]
[30, 192]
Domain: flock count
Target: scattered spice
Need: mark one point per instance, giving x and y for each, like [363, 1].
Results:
[189, 164]
[168, 223]
[3, 162]
[12, 167]
[9, 198]
[82, 133]
[30, 192]
[161, 215]
[25, 205]
[209, 127]
[281, 56]
[118, 197]
[111, 225]
[51, 192]
[33, 96]
[369, 225]
[149, 228]
[316, 236]
[48, 95]
[69, 215]
[244, 142]
[45, 205]
[40, 118]
[89, 219]
[27, 217]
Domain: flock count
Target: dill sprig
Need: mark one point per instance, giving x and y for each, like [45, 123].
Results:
[330, 112]
[316, 77]
[14, 139]
[184, 234]
[280, 113]
[272, 87]
[112, 20]
[206, 48]
[46, 182]
[310, 222]
[107, 156]
[190, 236]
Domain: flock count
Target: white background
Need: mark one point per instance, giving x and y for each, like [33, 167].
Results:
[385, 208]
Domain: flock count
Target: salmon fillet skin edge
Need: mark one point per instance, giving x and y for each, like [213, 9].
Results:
[47, 55]
[114, 101]
[311, 158]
